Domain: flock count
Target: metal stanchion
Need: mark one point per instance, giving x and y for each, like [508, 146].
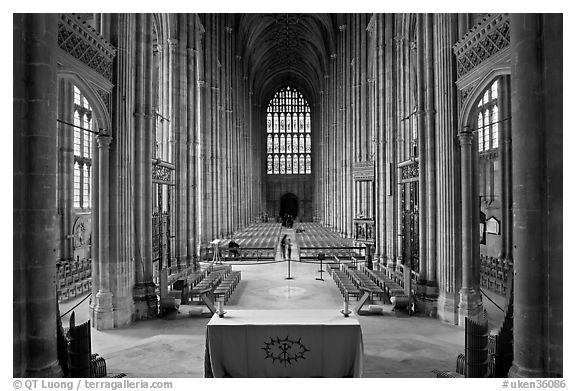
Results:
[321, 258]
[289, 277]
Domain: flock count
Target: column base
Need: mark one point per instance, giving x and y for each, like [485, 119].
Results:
[145, 301]
[123, 311]
[102, 311]
[51, 370]
[470, 306]
[426, 298]
[517, 371]
[448, 307]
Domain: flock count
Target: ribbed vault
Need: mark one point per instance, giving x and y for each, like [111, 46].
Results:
[282, 49]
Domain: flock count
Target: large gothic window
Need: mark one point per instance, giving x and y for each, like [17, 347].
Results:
[488, 119]
[82, 150]
[288, 133]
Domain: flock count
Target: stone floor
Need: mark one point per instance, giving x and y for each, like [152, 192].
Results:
[394, 347]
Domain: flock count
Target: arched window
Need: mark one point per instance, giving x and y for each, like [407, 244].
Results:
[488, 119]
[82, 150]
[288, 125]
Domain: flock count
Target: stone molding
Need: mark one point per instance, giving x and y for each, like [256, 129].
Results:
[489, 37]
[85, 44]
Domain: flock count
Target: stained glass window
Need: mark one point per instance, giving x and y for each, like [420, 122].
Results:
[488, 119]
[82, 140]
[288, 123]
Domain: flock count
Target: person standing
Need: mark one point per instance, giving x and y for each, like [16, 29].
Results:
[289, 248]
[283, 246]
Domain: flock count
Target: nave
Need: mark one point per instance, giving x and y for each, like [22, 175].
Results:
[410, 347]
[431, 142]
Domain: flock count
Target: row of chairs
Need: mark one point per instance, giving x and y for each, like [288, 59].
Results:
[68, 292]
[69, 268]
[74, 278]
[345, 285]
[390, 284]
[227, 285]
[494, 273]
[213, 277]
[312, 253]
[364, 282]
[249, 254]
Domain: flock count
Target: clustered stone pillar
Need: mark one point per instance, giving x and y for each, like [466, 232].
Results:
[145, 297]
[536, 79]
[430, 167]
[35, 188]
[423, 161]
[447, 179]
[119, 262]
[386, 32]
[470, 301]
[505, 160]
[65, 168]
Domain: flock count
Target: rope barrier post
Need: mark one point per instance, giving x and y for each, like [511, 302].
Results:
[321, 258]
[289, 276]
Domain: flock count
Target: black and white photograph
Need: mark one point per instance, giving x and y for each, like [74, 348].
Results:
[356, 194]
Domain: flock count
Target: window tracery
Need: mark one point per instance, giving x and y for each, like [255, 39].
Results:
[488, 119]
[82, 151]
[288, 139]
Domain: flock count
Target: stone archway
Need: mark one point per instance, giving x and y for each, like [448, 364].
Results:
[289, 205]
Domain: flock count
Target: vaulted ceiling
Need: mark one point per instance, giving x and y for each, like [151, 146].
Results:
[280, 49]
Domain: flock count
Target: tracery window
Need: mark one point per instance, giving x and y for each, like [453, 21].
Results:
[288, 132]
[488, 119]
[82, 151]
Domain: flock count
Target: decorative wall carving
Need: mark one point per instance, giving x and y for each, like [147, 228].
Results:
[81, 233]
[85, 44]
[486, 39]
[363, 171]
[162, 172]
[364, 230]
[410, 171]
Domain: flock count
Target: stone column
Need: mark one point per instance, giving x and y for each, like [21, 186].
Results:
[447, 181]
[144, 291]
[103, 308]
[387, 88]
[430, 167]
[422, 156]
[333, 142]
[192, 141]
[199, 141]
[35, 188]
[536, 81]
[470, 300]
[65, 168]
[177, 114]
[505, 159]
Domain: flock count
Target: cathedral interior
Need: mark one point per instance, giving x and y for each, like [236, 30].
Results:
[165, 165]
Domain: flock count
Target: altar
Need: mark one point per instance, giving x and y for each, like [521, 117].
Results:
[283, 343]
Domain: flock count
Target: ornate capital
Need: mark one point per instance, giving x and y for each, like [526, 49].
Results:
[104, 140]
[466, 136]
